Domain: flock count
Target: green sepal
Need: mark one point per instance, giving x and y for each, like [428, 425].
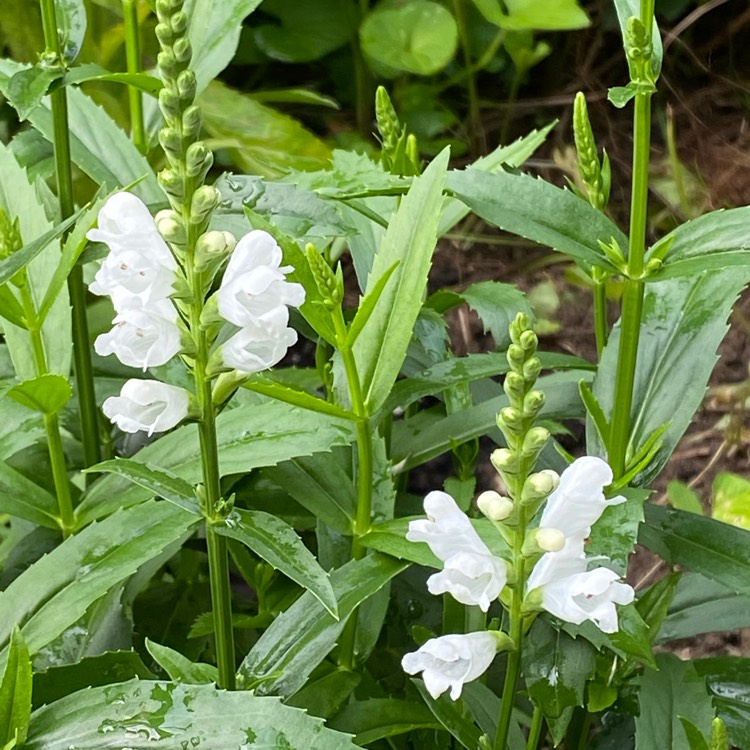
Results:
[46, 394]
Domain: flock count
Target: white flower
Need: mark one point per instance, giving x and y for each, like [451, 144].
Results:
[142, 336]
[451, 661]
[256, 348]
[578, 502]
[254, 284]
[471, 573]
[575, 594]
[148, 406]
[139, 265]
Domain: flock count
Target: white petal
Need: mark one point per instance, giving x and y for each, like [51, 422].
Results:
[148, 406]
[470, 579]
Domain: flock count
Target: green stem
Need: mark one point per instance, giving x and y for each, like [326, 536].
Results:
[537, 725]
[476, 133]
[133, 57]
[362, 519]
[51, 422]
[601, 327]
[81, 348]
[583, 736]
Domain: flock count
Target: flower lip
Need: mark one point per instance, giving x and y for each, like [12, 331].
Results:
[147, 406]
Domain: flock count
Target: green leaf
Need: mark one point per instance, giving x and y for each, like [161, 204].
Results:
[367, 305]
[717, 550]
[654, 604]
[56, 591]
[46, 394]
[701, 605]
[259, 140]
[180, 668]
[22, 498]
[71, 26]
[710, 242]
[730, 501]
[15, 693]
[557, 668]
[140, 714]
[411, 236]
[306, 31]
[376, 718]
[684, 320]
[158, 481]
[695, 738]
[453, 717]
[93, 72]
[326, 695]
[10, 308]
[595, 412]
[539, 211]
[663, 696]
[248, 437]
[301, 637]
[91, 671]
[277, 543]
[215, 27]
[417, 37]
[28, 87]
[544, 15]
[728, 679]
[295, 95]
[683, 498]
[101, 149]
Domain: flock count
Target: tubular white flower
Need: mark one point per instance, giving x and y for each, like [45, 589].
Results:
[578, 502]
[451, 661]
[471, 573]
[139, 265]
[147, 406]
[142, 336]
[254, 284]
[575, 594]
[256, 348]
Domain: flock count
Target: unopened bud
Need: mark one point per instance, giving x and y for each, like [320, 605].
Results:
[173, 185]
[536, 438]
[510, 419]
[533, 403]
[494, 506]
[170, 227]
[212, 249]
[531, 369]
[549, 539]
[514, 386]
[515, 356]
[164, 34]
[539, 486]
[171, 142]
[191, 122]
[504, 460]
[169, 101]
[198, 160]
[528, 341]
[519, 324]
[205, 199]
[179, 23]
[186, 87]
[182, 50]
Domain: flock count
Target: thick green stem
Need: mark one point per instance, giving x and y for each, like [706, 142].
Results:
[537, 725]
[133, 57]
[632, 305]
[81, 348]
[601, 327]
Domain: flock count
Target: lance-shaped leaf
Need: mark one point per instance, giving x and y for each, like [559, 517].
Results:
[15, 693]
[46, 394]
[140, 714]
[539, 211]
[276, 542]
[180, 668]
[376, 718]
[22, 498]
[70, 16]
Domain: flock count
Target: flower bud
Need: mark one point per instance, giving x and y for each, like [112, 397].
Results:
[191, 122]
[198, 160]
[173, 185]
[186, 86]
[164, 34]
[165, 8]
[519, 324]
[504, 461]
[182, 51]
[212, 249]
[179, 23]
[515, 356]
[528, 341]
[169, 101]
[329, 284]
[494, 506]
[171, 142]
[536, 438]
[531, 369]
[171, 228]
[533, 403]
[205, 199]
[510, 419]
[514, 386]
[549, 540]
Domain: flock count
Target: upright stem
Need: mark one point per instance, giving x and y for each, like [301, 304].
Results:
[537, 725]
[133, 57]
[81, 349]
[601, 326]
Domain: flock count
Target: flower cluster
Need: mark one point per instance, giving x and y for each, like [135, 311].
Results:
[140, 274]
[560, 581]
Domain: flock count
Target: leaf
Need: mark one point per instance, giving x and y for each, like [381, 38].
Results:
[376, 718]
[141, 714]
[684, 320]
[674, 690]
[683, 498]
[539, 211]
[56, 591]
[713, 241]
[453, 717]
[654, 604]
[214, 33]
[301, 637]
[556, 668]
[259, 140]
[717, 550]
[28, 87]
[701, 605]
[543, 15]
[159, 482]
[326, 695]
[46, 394]
[10, 308]
[275, 431]
[417, 37]
[71, 25]
[695, 738]
[22, 498]
[367, 305]
[180, 668]
[730, 499]
[101, 149]
[411, 236]
[15, 693]
[277, 543]
[728, 679]
[93, 72]
[306, 31]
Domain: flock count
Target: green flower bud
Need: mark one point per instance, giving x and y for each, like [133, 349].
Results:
[198, 160]
[516, 357]
[182, 51]
[531, 369]
[170, 226]
[186, 86]
[519, 324]
[226, 384]
[532, 403]
[167, 64]
[166, 8]
[171, 142]
[539, 486]
[179, 23]
[212, 249]
[191, 122]
[205, 199]
[387, 119]
[173, 185]
[10, 235]
[719, 739]
[514, 386]
[329, 284]
[164, 34]
[504, 461]
[536, 438]
[528, 341]
[169, 103]
[510, 419]
[494, 506]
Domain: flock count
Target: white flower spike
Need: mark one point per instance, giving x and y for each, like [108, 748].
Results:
[147, 406]
[451, 661]
[254, 283]
[471, 573]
